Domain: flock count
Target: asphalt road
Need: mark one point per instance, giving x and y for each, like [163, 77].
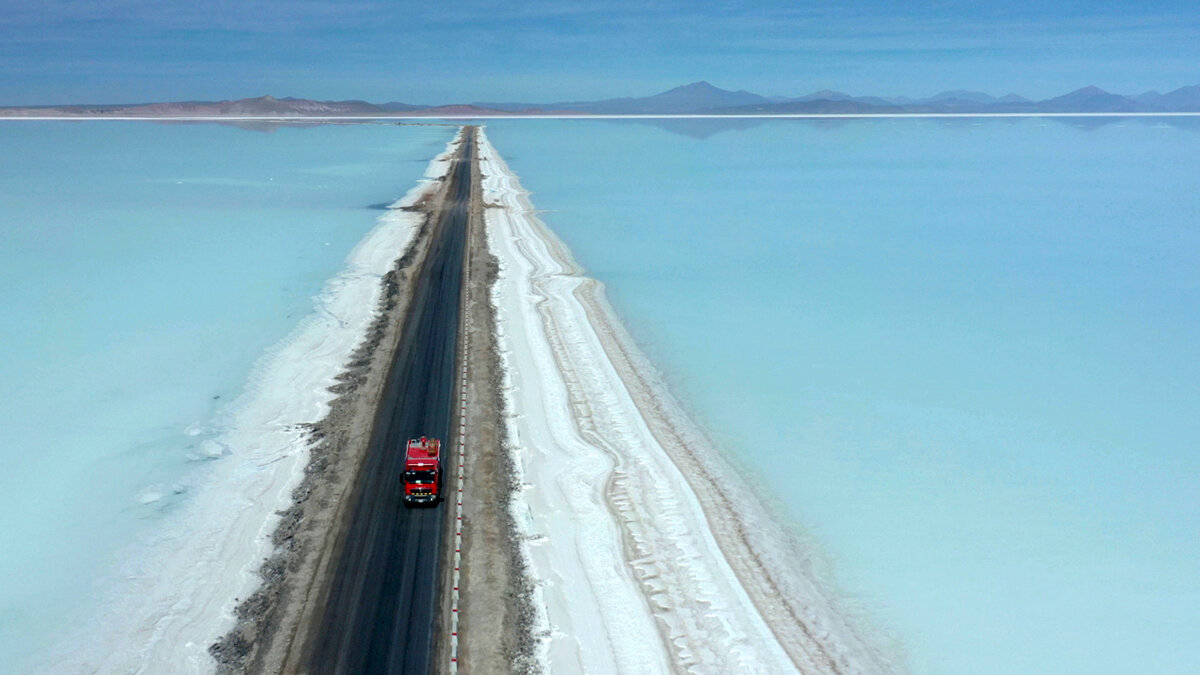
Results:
[382, 605]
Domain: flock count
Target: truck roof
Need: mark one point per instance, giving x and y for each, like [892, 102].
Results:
[423, 452]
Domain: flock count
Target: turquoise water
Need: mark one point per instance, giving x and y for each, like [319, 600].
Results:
[963, 354]
[143, 270]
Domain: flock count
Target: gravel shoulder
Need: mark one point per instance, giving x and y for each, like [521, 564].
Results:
[495, 618]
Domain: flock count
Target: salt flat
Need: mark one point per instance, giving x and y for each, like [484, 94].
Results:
[635, 569]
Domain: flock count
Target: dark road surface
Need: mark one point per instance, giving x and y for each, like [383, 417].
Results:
[383, 602]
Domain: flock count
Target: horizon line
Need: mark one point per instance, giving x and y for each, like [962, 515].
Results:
[319, 118]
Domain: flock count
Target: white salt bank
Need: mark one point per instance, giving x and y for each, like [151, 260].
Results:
[642, 560]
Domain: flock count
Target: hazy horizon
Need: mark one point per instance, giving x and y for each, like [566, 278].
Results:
[509, 100]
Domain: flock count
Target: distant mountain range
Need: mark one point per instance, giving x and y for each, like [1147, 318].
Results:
[695, 98]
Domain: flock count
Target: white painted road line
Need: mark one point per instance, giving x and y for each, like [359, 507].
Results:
[462, 434]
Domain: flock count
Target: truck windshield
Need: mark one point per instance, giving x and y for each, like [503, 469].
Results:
[418, 476]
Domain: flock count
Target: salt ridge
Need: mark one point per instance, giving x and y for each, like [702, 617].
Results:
[177, 591]
[641, 561]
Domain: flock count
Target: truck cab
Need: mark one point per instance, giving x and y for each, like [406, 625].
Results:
[422, 471]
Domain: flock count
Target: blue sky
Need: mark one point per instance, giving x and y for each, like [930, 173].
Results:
[100, 51]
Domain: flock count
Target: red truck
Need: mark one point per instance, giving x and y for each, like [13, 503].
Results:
[423, 471]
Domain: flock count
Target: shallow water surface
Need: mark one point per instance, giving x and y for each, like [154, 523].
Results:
[144, 268]
[961, 353]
